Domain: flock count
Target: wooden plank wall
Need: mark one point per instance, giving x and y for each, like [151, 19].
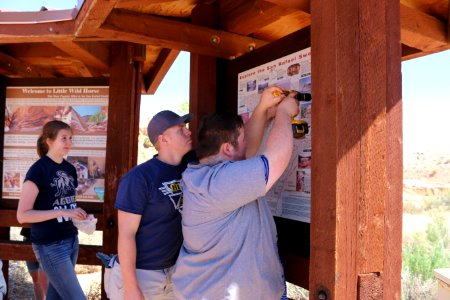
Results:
[356, 208]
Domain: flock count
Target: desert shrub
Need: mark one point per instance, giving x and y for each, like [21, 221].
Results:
[437, 203]
[427, 204]
[412, 207]
[415, 287]
[428, 251]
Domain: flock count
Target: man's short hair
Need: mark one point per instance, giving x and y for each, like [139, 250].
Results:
[216, 129]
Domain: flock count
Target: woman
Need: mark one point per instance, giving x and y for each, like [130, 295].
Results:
[48, 202]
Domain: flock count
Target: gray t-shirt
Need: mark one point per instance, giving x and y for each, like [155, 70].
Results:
[230, 240]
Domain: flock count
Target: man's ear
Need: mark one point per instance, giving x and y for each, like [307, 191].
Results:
[161, 139]
[227, 149]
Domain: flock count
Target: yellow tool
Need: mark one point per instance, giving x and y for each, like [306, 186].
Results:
[299, 96]
[299, 127]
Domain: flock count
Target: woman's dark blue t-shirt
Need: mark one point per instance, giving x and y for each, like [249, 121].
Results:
[57, 190]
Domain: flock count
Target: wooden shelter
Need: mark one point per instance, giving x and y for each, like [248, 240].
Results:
[352, 248]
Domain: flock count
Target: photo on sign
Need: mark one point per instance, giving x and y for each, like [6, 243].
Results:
[305, 85]
[251, 85]
[31, 119]
[11, 180]
[262, 86]
[90, 176]
[293, 69]
[304, 161]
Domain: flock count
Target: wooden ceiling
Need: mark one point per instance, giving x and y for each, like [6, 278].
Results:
[80, 46]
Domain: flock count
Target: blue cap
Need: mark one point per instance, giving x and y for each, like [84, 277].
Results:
[163, 120]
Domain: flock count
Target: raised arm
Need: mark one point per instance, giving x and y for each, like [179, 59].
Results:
[254, 129]
[278, 148]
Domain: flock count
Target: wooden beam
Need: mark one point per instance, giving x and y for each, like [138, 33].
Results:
[8, 219]
[131, 3]
[422, 31]
[435, 8]
[250, 16]
[33, 50]
[203, 72]
[303, 5]
[123, 124]
[448, 23]
[92, 54]
[92, 14]
[393, 207]
[33, 33]
[296, 269]
[356, 205]
[146, 29]
[153, 78]
[17, 68]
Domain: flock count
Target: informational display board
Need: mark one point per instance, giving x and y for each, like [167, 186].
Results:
[291, 196]
[84, 108]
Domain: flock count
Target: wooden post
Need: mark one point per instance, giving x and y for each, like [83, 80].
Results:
[123, 128]
[356, 209]
[202, 91]
[4, 231]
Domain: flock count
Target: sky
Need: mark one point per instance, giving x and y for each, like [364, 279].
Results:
[426, 103]
[35, 5]
[425, 80]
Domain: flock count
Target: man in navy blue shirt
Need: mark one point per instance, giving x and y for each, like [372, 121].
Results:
[149, 203]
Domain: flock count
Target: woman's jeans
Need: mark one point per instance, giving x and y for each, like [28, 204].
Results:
[58, 261]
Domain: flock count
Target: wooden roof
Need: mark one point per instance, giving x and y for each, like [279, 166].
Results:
[80, 45]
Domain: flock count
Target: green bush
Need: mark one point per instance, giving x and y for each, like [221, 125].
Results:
[429, 250]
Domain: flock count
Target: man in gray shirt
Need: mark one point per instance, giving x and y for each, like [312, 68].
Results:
[230, 240]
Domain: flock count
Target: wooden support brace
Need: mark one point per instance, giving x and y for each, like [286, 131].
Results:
[370, 286]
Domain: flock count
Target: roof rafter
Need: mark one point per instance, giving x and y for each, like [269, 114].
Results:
[14, 66]
[167, 33]
[421, 31]
[251, 16]
[92, 54]
[92, 14]
[159, 69]
[40, 32]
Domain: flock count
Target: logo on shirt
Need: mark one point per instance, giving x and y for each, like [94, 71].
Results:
[173, 190]
[63, 183]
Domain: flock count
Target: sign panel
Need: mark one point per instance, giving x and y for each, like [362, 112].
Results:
[291, 196]
[84, 108]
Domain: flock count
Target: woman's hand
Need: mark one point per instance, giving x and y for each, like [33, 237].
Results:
[75, 213]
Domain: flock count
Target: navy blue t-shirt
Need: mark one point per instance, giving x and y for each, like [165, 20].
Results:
[57, 190]
[153, 191]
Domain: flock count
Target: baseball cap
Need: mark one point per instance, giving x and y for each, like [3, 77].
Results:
[163, 120]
